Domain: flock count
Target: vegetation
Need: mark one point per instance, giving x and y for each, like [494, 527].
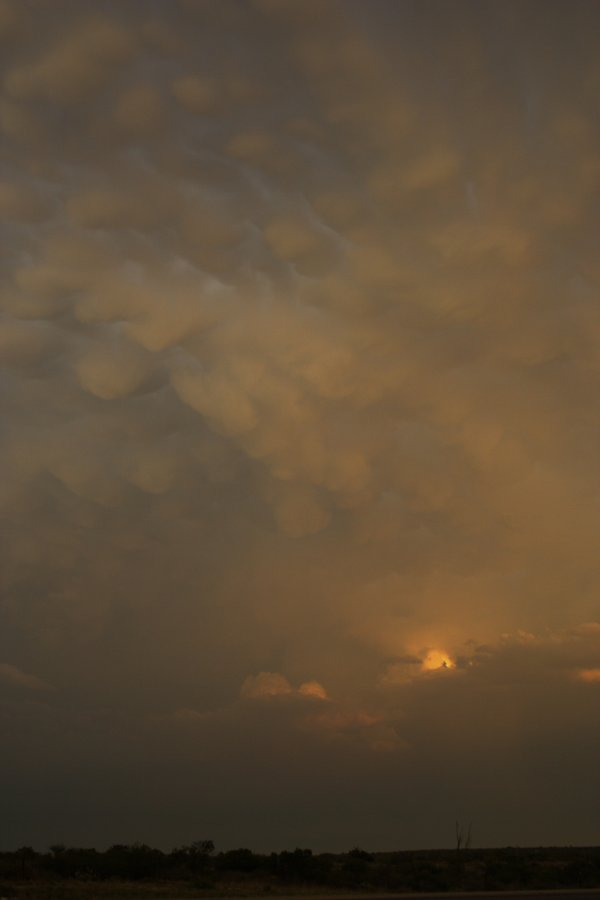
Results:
[137, 870]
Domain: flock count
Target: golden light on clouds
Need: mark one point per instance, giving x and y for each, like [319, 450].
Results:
[313, 689]
[435, 660]
[272, 684]
[299, 366]
[590, 676]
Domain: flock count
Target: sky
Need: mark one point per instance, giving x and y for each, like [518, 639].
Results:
[299, 434]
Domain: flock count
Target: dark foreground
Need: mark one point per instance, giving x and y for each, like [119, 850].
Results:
[139, 871]
[77, 890]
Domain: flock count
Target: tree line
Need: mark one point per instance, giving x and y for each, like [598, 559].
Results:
[198, 863]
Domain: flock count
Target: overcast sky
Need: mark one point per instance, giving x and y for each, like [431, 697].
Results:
[300, 494]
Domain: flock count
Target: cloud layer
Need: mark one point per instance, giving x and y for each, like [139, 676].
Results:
[299, 336]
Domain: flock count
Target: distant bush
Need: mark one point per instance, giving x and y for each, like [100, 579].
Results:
[197, 866]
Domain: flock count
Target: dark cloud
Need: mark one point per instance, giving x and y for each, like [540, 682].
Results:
[298, 329]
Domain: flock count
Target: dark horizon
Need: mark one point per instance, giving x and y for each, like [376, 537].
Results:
[241, 872]
[450, 848]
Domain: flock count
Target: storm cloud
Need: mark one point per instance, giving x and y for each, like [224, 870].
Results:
[300, 343]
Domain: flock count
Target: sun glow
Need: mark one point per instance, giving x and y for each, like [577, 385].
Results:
[437, 659]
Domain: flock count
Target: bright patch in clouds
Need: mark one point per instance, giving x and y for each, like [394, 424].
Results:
[590, 676]
[437, 659]
[272, 684]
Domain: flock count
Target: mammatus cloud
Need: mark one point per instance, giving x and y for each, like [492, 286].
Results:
[299, 356]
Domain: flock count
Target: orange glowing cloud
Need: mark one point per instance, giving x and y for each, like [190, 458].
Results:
[437, 659]
[273, 684]
[313, 689]
[588, 675]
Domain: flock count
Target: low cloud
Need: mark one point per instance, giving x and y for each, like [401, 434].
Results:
[272, 684]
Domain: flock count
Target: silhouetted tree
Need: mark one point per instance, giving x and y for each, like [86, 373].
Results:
[195, 855]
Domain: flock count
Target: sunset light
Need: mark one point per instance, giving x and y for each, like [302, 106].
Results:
[299, 438]
[437, 659]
